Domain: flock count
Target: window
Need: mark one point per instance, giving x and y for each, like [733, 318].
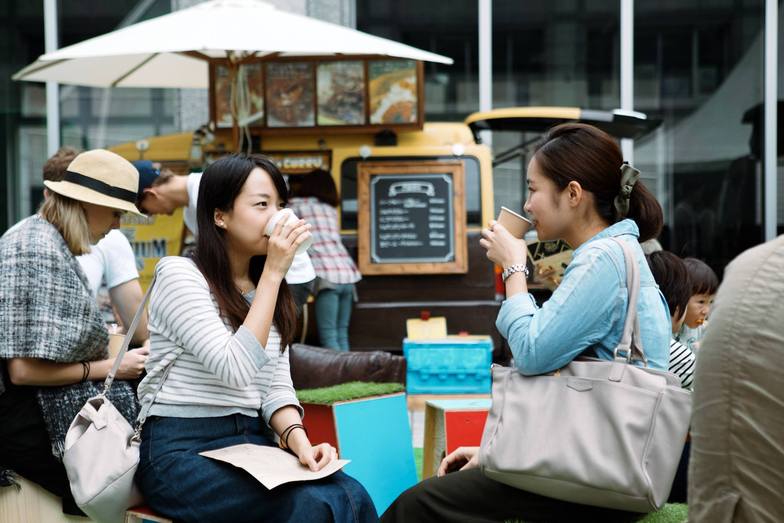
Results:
[703, 78]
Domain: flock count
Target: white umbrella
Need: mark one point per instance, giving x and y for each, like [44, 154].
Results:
[173, 50]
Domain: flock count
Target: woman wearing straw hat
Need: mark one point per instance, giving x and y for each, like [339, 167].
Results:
[53, 354]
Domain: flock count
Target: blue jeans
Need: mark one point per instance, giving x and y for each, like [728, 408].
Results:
[333, 313]
[179, 483]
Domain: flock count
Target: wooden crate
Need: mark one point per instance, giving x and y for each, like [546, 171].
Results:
[374, 433]
[450, 424]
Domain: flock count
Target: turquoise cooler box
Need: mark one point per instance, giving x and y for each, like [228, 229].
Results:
[451, 365]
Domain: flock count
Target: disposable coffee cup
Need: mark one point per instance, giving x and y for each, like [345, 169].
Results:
[115, 344]
[514, 223]
[288, 216]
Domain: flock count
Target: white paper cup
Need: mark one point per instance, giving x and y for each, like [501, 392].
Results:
[288, 216]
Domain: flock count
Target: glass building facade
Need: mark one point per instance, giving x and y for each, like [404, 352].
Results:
[89, 117]
[698, 70]
[698, 67]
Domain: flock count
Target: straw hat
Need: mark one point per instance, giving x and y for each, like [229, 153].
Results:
[100, 177]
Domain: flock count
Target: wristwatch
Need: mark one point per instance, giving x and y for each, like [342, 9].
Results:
[519, 267]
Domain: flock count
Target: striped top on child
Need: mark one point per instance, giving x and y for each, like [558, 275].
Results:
[216, 372]
[682, 362]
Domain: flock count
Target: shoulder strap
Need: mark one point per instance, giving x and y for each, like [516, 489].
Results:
[630, 347]
[127, 341]
[145, 409]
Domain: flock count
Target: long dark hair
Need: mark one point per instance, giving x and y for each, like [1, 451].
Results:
[220, 185]
[587, 155]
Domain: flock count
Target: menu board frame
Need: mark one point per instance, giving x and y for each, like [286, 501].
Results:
[369, 264]
[262, 126]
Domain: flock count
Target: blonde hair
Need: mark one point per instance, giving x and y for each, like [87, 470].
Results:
[69, 218]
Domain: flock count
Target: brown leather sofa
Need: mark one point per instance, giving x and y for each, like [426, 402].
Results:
[314, 367]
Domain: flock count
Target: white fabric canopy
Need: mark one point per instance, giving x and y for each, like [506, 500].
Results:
[151, 53]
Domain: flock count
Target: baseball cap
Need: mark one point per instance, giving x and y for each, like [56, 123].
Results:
[147, 175]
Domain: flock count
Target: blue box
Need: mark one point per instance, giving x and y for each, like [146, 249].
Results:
[451, 365]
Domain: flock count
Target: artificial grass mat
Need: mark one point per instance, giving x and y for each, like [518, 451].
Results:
[669, 513]
[347, 391]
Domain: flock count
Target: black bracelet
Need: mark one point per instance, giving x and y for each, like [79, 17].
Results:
[284, 436]
[85, 371]
[292, 430]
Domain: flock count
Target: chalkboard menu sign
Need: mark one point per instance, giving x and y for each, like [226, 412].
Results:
[412, 218]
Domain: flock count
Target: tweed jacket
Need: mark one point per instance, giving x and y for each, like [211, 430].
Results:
[47, 312]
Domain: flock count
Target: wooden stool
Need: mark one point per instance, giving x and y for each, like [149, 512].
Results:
[417, 402]
[450, 424]
[32, 503]
[143, 514]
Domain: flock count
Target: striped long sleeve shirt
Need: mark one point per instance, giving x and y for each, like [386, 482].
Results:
[682, 362]
[216, 371]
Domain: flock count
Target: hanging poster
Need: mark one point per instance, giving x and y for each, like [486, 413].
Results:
[222, 94]
[341, 93]
[393, 91]
[250, 97]
[290, 97]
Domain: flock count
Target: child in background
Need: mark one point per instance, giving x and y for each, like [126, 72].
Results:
[671, 275]
[704, 284]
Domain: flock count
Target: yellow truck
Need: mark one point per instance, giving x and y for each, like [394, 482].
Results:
[470, 298]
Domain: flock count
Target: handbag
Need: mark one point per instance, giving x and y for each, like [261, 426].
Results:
[102, 448]
[607, 433]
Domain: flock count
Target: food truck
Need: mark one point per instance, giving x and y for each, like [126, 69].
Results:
[414, 195]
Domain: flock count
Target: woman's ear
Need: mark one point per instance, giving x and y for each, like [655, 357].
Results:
[219, 218]
[574, 192]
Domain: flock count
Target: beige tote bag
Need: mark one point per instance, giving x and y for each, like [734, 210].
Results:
[597, 432]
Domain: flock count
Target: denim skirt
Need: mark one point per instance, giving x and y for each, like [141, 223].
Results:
[180, 484]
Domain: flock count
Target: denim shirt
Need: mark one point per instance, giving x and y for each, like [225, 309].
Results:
[588, 309]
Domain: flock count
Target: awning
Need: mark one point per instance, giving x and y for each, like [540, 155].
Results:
[618, 123]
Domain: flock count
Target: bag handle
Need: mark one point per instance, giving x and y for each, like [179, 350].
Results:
[107, 384]
[631, 340]
[145, 409]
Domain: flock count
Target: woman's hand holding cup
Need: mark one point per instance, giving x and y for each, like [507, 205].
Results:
[288, 235]
[502, 248]
[504, 238]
